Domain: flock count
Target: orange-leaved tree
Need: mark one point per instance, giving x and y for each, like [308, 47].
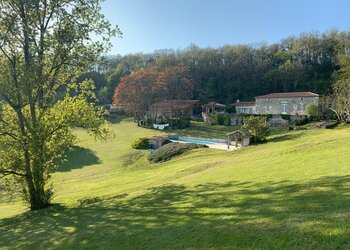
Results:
[137, 91]
[177, 83]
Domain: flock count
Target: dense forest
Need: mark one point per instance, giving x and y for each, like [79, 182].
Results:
[308, 62]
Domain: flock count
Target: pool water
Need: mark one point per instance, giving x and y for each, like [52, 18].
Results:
[196, 141]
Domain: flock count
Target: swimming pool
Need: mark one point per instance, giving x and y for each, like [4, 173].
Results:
[195, 140]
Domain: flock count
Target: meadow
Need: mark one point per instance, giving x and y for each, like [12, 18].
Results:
[290, 193]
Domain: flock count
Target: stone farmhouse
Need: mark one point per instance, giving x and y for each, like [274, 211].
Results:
[289, 103]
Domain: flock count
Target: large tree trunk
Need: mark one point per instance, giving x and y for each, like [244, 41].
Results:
[35, 184]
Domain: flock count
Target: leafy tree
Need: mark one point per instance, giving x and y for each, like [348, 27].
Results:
[137, 91]
[257, 126]
[341, 90]
[342, 100]
[231, 72]
[176, 83]
[44, 46]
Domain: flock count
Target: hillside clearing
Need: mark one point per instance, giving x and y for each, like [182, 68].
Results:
[290, 193]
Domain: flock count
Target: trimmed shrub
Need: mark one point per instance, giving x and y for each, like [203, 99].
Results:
[312, 111]
[170, 150]
[141, 143]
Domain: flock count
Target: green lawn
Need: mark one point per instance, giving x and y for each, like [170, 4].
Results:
[290, 193]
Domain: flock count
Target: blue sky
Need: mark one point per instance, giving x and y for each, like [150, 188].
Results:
[148, 25]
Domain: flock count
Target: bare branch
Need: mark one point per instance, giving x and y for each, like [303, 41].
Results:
[10, 172]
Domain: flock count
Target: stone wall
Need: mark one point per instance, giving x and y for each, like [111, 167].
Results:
[290, 106]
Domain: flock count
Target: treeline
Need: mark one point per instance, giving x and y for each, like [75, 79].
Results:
[308, 62]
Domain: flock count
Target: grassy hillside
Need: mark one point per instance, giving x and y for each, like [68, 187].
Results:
[290, 193]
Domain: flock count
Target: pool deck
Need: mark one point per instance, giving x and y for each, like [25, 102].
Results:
[220, 146]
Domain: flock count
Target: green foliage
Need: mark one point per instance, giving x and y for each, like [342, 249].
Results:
[312, 111]
[178, 123]
[285, 117]
[257, 126]
[171, 150]
[341, 89]
[301, 121]
[141, 143]
[39, 84]
[221, 119]
[232, 74]
[183, 122]
[231, 109]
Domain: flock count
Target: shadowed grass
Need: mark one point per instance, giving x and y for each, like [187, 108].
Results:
[290, 193]
[246, 215]
[79, 157]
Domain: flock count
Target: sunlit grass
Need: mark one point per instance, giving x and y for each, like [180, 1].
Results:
[290, 193]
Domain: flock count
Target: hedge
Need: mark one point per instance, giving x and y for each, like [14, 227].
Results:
[170, 150]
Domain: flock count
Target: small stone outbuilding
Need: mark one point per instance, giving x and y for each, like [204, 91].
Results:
[240, 137]
[156, 142]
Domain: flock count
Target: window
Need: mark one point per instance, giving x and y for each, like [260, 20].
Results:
[284, 107]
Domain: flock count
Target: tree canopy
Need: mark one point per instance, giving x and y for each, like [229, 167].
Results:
[307, 62]
[137, 91]
[44, 46]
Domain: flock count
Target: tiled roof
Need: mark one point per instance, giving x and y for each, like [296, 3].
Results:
[288, 94]
[244, 104]
[176, 103]
[158, 138]
[214, 104]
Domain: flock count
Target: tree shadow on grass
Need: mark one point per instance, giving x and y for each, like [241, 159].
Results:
[79, 157]
[239, 215]
[285, 137]
[117, 118]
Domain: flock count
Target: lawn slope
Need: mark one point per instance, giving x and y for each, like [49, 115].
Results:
[290, 193]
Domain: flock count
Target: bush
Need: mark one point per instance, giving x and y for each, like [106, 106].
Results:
[221, 119]
[267, 116]
[170, 150]
[184, 122]
[257, 126]
[312, 111]
[231, 109]
[285, 117]
[141, 143]
[179, 123]
[301, 121]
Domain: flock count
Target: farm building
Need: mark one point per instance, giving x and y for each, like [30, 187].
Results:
[174, 108]
[156, 142]
[291, 103]
[245, 107]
